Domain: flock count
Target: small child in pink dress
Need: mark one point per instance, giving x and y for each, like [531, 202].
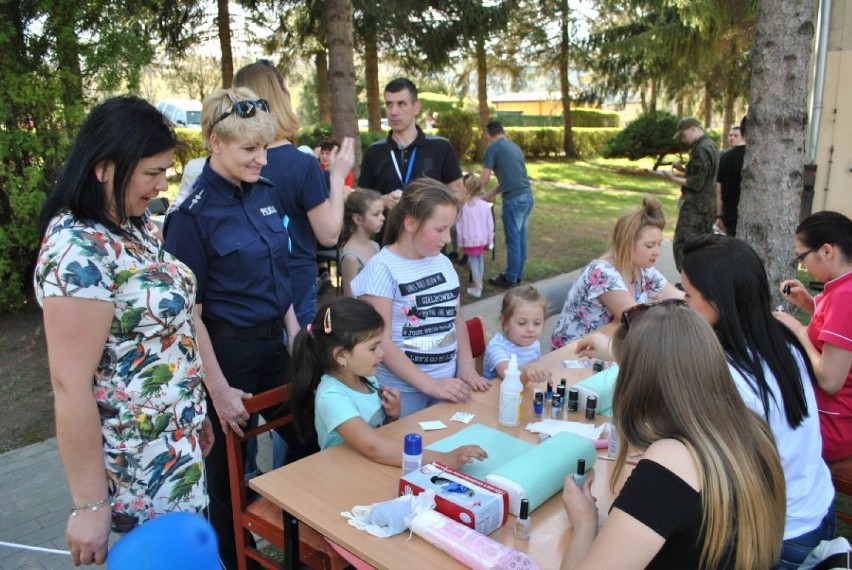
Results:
[475, 229]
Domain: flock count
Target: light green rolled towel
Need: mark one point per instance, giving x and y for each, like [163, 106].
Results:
[602, 385]
[500, 447]
[540, 473]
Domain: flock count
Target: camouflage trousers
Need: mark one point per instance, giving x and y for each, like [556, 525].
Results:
[690, 223]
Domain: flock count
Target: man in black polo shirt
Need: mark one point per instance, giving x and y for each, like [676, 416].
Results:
[407, 152]
[729, 181]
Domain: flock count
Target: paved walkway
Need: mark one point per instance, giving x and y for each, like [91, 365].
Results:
[34, 503]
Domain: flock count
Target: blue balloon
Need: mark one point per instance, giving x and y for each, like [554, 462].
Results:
[171, 541]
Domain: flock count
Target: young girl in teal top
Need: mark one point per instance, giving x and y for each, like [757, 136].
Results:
[335, 396]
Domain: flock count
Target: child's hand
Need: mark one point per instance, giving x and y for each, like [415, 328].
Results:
[450, 389]
[464, 455]
[534, 372]
[594, 345]
[390, 403]
[471, 377]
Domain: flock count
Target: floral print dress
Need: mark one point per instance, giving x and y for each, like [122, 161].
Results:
[583, 311]
[148, 383]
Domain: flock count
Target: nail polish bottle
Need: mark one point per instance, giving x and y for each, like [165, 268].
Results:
[522, 523]
[591, 407]
[548, 395]
[538, 403]
[580, 476]
[573, 400]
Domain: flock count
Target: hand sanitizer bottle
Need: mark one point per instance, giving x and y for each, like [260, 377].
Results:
[510, 395]
[412, 453]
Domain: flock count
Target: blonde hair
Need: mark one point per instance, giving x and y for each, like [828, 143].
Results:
[626, 231]
[472, 186]
[516, 296]
[259, 128]
[419, 201]
[674, 382]
[265, 80]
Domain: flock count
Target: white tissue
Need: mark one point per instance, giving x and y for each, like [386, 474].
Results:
[411, 505]
[552, 427]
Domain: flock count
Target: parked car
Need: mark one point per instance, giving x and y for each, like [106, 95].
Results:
[181, 112]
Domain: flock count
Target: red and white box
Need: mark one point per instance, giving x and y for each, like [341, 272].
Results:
[470, 501]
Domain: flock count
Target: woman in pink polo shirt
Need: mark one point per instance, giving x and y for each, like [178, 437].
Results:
[824, 248]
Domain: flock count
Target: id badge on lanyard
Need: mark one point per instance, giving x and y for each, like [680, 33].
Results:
[404, 181]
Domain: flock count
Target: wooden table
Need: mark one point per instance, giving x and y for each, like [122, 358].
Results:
[317, 489]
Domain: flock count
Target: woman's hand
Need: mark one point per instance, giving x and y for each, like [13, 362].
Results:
[579, 503]
[594, 345]
[468, 374]
[206, 438]
[450, 390]
[794, 292]
[229, 407]
[464, 455]
[341, 159]
[88, 535]
[534, 372]
[391, 403]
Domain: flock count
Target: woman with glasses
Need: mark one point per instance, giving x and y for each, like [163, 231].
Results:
[823, 247]
[229, 232]
[131, 418]
[620, 278]
[314, 208]
[708, 491]
[726, 284]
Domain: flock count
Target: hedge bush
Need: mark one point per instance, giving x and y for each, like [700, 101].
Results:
[581, 117]
[460, 128]
[648, 135]
[191, 146]
[547, 141]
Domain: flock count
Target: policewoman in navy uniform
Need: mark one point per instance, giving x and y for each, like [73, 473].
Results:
[229, 231]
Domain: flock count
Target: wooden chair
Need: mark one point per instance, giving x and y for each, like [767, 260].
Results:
[476, 334]
[841, 476]
[261, 516]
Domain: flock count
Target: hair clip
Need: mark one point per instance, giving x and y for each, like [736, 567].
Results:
[310, 332]
[326, 321]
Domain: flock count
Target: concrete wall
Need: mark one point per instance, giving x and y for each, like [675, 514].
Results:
[833, 186]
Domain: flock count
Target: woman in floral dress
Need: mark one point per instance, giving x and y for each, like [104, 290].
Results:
[622, 277]
[131, 417]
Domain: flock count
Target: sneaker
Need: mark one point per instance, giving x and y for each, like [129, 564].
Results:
[501, 281]
[474, 292]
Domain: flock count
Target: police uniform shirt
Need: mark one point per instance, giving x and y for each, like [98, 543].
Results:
[433, 157]
[234, 239]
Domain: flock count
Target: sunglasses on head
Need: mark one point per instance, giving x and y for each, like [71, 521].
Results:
[636, 310]
[243, 109]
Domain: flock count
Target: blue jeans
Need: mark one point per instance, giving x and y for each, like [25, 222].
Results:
[796, 549]
[516, 214]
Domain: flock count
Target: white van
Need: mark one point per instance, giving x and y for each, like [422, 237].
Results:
[181, 112]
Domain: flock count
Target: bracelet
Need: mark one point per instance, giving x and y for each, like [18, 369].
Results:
[75, 510]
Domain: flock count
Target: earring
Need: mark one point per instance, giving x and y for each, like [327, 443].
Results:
[345, 364]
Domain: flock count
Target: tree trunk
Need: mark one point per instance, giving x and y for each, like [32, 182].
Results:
[371, 76]
[708, 105]
[777, 118]
[564, 85]
[68, 58]
[341, 72]
[652, 104]
[730, 95]
[323, 96]
[223, 21]
[481, 92]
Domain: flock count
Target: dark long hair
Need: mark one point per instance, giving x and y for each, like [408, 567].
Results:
[729, 274]
[122, 130]
[342, 323]
[827, 227]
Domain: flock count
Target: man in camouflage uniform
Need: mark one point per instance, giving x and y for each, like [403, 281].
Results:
[698, 185]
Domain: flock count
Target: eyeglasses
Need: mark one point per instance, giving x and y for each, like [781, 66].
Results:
[636, 310]
[801, 257]
[243, 109]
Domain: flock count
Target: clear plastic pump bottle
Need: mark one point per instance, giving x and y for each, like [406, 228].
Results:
[511, 390]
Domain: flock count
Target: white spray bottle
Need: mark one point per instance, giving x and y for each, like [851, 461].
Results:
[511, 390]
